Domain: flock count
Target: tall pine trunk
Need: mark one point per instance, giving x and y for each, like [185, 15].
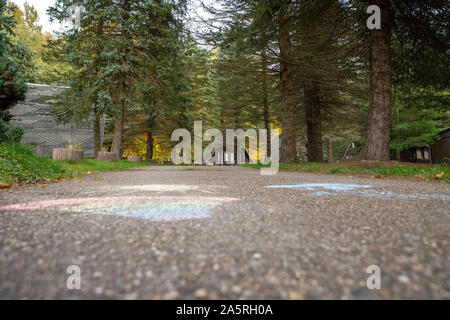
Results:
[379, 126]
[313, 123]
[266, 101]
[149, 147]
[117, 142]
[288, 147]
[96, 132]
[121, 92]
[330, 149]
[116, 145]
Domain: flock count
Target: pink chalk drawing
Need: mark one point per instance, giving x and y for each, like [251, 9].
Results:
[155, 208]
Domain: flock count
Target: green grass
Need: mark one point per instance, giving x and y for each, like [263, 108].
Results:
[82, 167]
[372, 170]
[19, 164]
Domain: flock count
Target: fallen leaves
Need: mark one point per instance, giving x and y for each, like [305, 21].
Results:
[440, 175]
[293, 295]
[416, 267]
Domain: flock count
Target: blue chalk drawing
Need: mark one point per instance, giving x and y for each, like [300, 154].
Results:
[326, 186]
[320, 189]
[154, 211]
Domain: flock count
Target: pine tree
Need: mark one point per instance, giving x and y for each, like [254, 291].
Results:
[117, 42]
[324, 72]
[418, 30]
[12, 83]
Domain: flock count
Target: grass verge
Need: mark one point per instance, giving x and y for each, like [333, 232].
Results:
[86, 166]
[423, 172]
[19, 164]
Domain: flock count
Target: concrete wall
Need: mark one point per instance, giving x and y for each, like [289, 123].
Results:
[41, 131]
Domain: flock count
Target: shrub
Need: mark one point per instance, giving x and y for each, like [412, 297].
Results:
[8, 132]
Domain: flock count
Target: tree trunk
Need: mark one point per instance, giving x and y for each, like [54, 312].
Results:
[107, 156]
[288, 149]
[379, 126]
[133, 158]
[116, 146]
[67, 154]
[313, 123]
[97, 126]
[266, 102]
[117, 142]
[330, 150]
[149, 147]
[96, 132]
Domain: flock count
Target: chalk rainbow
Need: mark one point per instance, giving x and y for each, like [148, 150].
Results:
[155, 208]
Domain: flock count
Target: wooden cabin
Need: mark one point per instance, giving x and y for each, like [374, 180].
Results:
[438, 152]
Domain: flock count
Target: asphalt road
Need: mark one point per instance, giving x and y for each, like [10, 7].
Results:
[221, 233]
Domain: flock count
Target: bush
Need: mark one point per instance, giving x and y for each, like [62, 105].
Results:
[8, 132]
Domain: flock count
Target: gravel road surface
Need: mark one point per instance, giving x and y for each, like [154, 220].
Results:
[224, 233]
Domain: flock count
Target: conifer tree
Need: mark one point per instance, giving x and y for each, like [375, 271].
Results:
[114, 46]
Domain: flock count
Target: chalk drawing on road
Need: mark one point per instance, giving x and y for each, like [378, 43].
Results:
[153, 188]
[320, 189]
[157, 187]
[154, 208]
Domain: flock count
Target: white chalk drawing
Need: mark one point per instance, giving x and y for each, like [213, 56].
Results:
[152, 189]
[158, 187]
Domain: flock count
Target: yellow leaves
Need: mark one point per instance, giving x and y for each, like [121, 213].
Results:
[138, 146]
